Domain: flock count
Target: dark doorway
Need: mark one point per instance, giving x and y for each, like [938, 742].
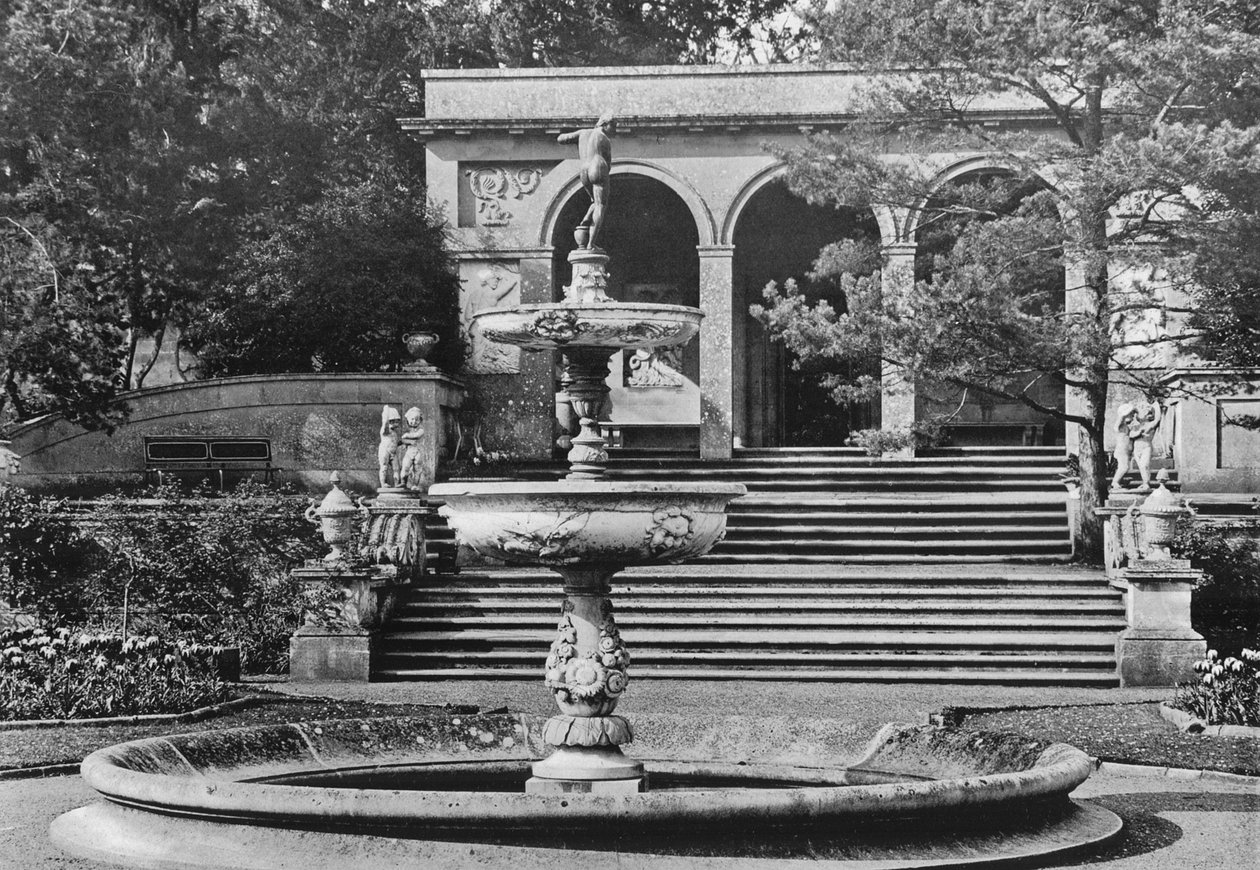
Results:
[783, 404]
[651, 237]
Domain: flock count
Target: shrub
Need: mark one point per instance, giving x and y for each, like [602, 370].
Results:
[210, 567]
[191, 565]
[42, 556]
[1226, 604]
[1227, 693]
[64, 675]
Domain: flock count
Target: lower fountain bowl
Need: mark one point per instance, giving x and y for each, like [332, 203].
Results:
[326, 793]
[589, 523]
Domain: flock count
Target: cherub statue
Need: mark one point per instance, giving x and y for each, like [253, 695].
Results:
[387, 454]
[412, 462]
[1135, 430]
[595, 153]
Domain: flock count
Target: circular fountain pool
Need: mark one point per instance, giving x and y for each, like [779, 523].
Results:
[330, 793]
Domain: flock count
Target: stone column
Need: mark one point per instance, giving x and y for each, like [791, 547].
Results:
[896, 407]
[716, 362]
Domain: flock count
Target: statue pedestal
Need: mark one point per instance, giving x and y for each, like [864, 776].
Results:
[1160, 647]
[338, 639]
[396, 531]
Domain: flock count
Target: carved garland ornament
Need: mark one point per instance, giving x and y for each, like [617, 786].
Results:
[594, 676]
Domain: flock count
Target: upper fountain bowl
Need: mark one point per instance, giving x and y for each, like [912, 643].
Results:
[551, 325]
[588, 522]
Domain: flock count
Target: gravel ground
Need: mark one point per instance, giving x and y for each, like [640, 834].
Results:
[69, 744]
[1130, 733]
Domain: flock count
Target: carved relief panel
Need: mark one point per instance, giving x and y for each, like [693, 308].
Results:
[488, 284]
[490, 195]
[659, 366]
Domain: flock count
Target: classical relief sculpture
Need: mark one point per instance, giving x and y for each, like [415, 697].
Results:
[595, 152]
[482, 286]
[1135, 430]
[388, 460]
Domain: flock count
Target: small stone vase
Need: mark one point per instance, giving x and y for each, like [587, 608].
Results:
[419, 345]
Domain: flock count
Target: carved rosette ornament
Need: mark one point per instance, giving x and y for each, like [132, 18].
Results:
[556, 325]
[671, 530]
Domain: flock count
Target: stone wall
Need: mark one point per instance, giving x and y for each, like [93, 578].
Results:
[316, 423]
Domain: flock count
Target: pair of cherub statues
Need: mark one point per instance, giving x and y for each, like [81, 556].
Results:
[1135, 430]
[399, 455]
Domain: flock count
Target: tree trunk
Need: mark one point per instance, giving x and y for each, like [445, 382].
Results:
[1087, 542]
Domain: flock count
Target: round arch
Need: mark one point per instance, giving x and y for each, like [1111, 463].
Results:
[978, 163]
[888, 223]
[706, 227]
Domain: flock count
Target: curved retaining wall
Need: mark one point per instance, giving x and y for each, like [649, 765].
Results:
[317, 423]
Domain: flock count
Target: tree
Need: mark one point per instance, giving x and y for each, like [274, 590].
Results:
[631, 32]
[335, 290]
[1147, 154]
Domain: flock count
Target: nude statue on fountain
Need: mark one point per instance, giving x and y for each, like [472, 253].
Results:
[595, 153]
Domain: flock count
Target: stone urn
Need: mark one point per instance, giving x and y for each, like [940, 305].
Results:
[419, 344]
[1160, 513]
[335, 517]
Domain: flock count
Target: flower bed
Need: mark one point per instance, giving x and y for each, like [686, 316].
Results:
[67, 675]
[1228, 690]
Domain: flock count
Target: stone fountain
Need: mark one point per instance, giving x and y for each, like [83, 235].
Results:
[586, 528]
[401, 791]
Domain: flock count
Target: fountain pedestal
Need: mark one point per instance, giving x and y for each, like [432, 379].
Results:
[587, 672]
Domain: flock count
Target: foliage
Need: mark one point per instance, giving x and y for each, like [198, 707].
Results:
[1151, 139]
[41, 555]
[1227, 693]
[193, 565]
[357, 271]
[1225, 607]
[179, 564]
[876, 442]
[621, 32]
[64, 675]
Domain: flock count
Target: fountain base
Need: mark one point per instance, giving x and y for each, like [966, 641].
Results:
[587, 770]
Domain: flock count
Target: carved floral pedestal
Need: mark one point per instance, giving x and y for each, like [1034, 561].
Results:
[587, 672]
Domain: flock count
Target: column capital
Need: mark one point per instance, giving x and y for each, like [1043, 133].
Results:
[716, 250]
[901, 249]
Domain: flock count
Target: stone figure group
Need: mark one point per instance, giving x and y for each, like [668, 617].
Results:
[398, 456]
[1135, 430]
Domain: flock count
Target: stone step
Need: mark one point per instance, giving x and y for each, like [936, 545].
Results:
[412, 628]
[920, 637]
[440, 604]
[803, 515]
[831, 531]
[888, 544]
[878, 674]
[721, 557]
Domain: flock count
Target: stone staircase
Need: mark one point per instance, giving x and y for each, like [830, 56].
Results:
[948, 568]
[824, 506]
[957, 623]
[839, 506]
